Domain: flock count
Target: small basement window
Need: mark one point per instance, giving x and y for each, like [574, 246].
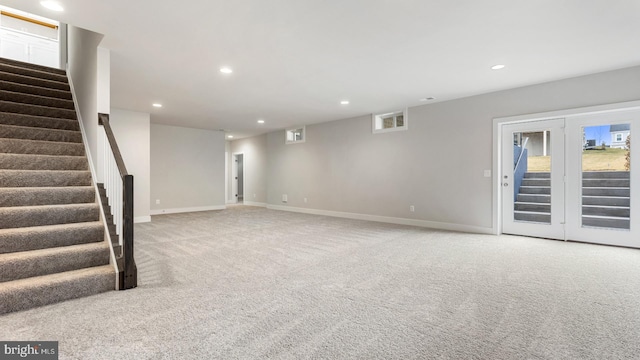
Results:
[392, 121]
[295, 136]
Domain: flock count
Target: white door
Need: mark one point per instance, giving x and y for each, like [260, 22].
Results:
[12, 47]
[603, 182]
[533, 199]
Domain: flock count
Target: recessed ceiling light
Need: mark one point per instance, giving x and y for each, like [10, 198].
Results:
[229, 136]
[157, 105]
[344, 102]
[226, 70]
[428, 98]
[260, 121]
[52, 5]
[497, 67]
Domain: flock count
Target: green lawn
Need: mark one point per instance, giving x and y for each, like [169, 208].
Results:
[592, 160]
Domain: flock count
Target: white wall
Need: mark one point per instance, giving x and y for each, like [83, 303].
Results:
[83, 70]
[103, 101]
[254, 152]
[437, 165]
[132, 131]
[187, 169]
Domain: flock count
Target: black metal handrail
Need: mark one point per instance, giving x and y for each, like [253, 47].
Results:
[127, 270]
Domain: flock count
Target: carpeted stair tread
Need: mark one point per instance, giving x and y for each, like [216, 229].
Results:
[20, 265]
[20, 146]
[37, 73]
[37, 110]
[36, 100]
[50, 236]
[27, 216]
[35, 90]
[23, 64]
[43, 290]
[42, 162]
[34, 81]
[38, 121]
[34, 196]
[29, 133]
[44, 178]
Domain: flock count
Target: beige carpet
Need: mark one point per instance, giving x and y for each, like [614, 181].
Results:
[251, 283]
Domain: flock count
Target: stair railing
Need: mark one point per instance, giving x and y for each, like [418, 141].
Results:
[119, 190]
[523, 146]
[519, 167]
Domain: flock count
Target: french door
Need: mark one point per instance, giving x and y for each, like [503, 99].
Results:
[533, 179]
[573, 178]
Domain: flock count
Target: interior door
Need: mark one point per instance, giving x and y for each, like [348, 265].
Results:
[603, 180]
[533, 179]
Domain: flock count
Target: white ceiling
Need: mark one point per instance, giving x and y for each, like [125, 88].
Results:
[294, 60]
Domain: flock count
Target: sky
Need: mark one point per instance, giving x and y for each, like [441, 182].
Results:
[598, 133]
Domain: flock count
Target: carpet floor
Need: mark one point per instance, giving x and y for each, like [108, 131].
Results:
[252, 283]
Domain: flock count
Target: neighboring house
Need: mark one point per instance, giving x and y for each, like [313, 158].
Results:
[619, 133]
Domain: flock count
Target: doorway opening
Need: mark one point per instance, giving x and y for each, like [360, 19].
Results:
[30, 38]
[238, 177]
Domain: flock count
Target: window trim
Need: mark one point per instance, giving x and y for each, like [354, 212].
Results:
[375, 118]
[287, 131]
[616, 137]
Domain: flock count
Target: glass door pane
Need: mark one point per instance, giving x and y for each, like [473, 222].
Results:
[606, 186]
[532, 176]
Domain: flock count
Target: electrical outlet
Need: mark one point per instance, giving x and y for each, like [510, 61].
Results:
[284, 198]
[157, 201]
[412, 208]
[487, 173]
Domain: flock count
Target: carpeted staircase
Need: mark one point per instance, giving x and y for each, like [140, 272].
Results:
[52, 245]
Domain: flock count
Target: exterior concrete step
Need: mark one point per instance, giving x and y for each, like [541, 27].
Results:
[606, 222]
[536, 182]
[605, 175]
[530, 206]
[538, 175]
[534, 198]
[606, 191]
[605, 182]
[600, 210]
[535, 190]
[538, 217]
[606, 200]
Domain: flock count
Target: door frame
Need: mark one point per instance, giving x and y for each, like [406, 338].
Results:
[498, 123]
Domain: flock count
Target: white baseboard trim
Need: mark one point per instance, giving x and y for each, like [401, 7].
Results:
[141, 219]
[189, 209]
[388, 219]
[251, 203]
[232, 201]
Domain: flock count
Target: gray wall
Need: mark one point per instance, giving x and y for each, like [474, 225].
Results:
[254, 166]
[187, 169]
[83, 70]
[133, 134]
[437, 165]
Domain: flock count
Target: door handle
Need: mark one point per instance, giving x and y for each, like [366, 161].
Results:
[505, 184]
